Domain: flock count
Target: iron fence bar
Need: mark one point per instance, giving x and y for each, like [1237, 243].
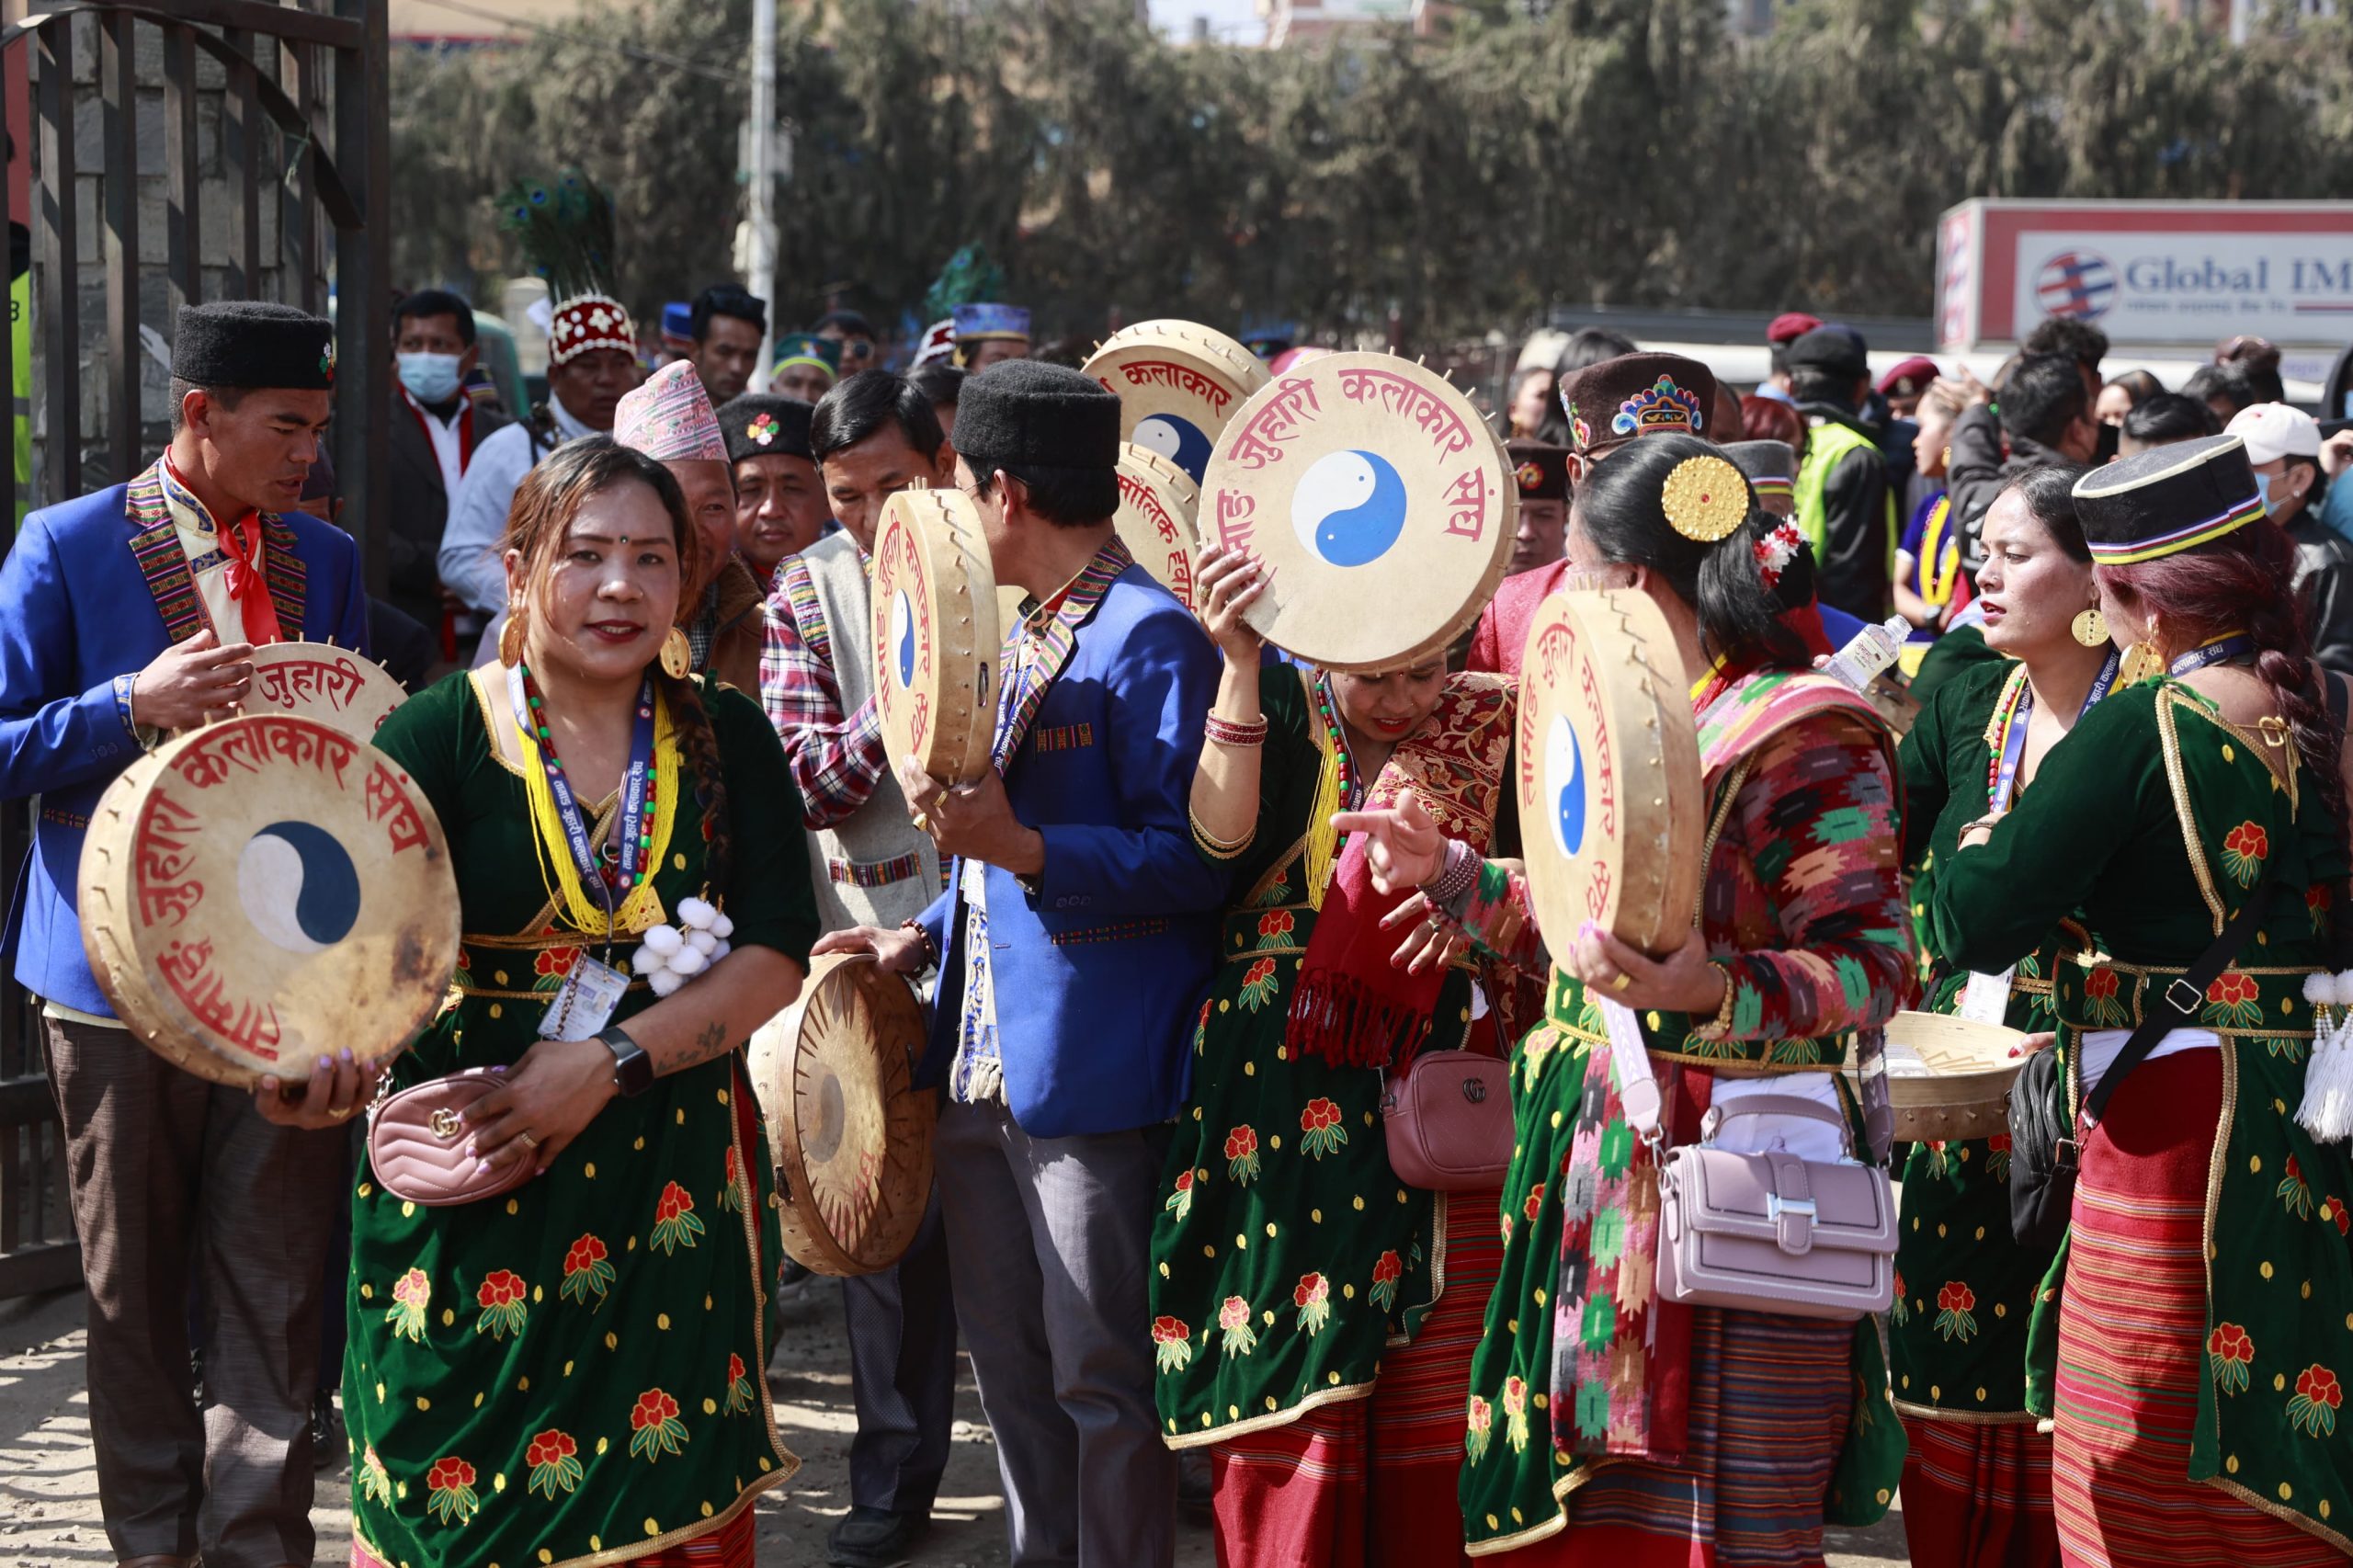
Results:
[363, 283]
[239, 141]
[185, 231]
[119, 87]
[61, 316]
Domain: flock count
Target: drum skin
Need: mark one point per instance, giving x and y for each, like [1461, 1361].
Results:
[1611, 805]
[1956, 1081]
[935, 634]
[850, 1133]
[1379, 501]
[1157, 503]
[318, 680]
[1179, 384]
[267, 890]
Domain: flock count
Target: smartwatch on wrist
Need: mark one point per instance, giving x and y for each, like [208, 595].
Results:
[632, 1069]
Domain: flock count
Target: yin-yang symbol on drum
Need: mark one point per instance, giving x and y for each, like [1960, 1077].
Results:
[1349, 507]
[1564, 786]
[903, 637]
[1176, 438]
[298, 886]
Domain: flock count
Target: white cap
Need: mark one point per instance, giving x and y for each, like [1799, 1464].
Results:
[2274, 430]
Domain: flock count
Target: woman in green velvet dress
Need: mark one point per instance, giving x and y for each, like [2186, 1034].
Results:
[1291, 1264]
[1977, 1481]
[2203, 1337]
[573, 1373]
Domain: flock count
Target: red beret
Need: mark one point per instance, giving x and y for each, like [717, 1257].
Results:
[1791, 326]
[1909, 378]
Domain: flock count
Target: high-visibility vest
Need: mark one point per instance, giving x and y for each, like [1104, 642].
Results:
[1828, 442]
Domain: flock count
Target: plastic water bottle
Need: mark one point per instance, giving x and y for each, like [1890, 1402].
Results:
[1871, 652]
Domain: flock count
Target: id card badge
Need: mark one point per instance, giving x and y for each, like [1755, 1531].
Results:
[584, 1004]
[1986, 998]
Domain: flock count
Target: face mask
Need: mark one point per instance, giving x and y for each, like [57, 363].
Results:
[430, 377]
[2263, 491]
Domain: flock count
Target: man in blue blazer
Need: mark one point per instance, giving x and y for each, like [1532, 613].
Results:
[130, 613]
[1075, 943]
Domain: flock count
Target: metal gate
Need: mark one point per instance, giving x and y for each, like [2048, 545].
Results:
[160, 155]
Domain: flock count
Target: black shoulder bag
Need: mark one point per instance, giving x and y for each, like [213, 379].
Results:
[2042, 1145]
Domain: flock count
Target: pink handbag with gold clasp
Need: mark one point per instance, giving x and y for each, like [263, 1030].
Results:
[416, 1143]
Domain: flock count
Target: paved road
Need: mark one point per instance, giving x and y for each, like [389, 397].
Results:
[49, 1514]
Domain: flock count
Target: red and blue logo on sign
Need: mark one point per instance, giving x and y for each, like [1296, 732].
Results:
[2075, 283]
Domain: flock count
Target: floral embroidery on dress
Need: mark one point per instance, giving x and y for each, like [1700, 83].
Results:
[1180, 1202]
[739, 1386]
[1235, 1332]
[451, 1484]
[1312, 1297]
[374, 1483]
[1320, 1129]
[1242, 1153]
[2228, 1351]
[1956, 1311]
[1900, 1310]
[2234, 999]
[585, 1271]
[501, 1298]
[1258, 984]
[2100, 1003]
[406, 1314]
[1274, 928]
[655, 1427]
[1387, 1270]
[2293, 1191]
[731, 1196]
[2244, 848]
[675, 1224]
[1172, 1342]
[1481, 1417]
[1516, 1412]
[2318, 1394]
[1535, 1204]
[550, 966]
[1998, 1156]
[2333, 1213]
[554, 1462]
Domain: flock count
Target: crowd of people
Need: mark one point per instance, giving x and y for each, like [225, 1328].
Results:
[1182, 944]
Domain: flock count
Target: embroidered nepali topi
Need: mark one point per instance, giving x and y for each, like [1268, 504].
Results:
[977, 322]
[762, 425]
[2166, 500]
[938, 343]
[1541, 469]
[1770, 467]
[668, 417]
[1611, 403]
[1834, 350]
[565, 229]
[1024, 412]
[251, 343]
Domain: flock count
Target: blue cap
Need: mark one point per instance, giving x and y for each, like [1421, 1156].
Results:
[976, 322]
[678, 319]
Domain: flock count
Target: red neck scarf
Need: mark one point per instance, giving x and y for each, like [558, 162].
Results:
[243, 548]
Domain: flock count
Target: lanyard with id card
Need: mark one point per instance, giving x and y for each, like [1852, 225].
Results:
[584, 1004]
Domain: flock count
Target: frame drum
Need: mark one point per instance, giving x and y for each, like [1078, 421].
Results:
[935, 634]
[1179, 383]
[318, 680]
[850, 1134]
[265, 891]
[1155, 519]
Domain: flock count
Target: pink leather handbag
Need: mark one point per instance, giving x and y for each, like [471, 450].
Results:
[1448, 1121]
[416, 1140]
[1773, 1233]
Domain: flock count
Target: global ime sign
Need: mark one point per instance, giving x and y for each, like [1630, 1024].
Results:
[2147, 272]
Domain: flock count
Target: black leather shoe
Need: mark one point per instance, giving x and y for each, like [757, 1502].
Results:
[327, 1433]
[874, 1538]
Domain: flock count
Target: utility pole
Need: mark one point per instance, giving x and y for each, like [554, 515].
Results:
[760, 172]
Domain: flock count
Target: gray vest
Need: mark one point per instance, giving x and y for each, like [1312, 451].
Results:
[877, 867]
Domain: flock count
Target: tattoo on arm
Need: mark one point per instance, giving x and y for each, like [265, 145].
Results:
[709, 1041]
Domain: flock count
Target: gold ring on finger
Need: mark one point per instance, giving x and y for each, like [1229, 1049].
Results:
[340, 1111]
[923, 822]
[1622, 981]
[526, 1140]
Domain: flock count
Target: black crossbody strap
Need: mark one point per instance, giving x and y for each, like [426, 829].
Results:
[2177, 1003]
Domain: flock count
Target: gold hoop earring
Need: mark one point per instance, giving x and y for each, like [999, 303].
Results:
[2090, 627]
[677, 654]
[510, 638]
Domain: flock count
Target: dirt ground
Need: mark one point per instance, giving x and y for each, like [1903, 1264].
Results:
[49, 1508]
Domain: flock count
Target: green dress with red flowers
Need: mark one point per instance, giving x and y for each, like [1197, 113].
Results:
[572, 1373]
[1966, 1288]
[1286, 1252]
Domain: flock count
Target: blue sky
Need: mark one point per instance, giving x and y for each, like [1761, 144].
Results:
[1231, 21]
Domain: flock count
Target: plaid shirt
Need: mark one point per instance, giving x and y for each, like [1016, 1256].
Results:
[836, 761]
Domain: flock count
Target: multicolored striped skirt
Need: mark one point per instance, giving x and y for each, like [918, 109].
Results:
[1977, 1494]
[2132, 1343]
[1371, 1482]
[1771, 1397]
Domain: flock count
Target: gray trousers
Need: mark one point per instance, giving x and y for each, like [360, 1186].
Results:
[903, 1374]
[173, 1177]
[1051, 1240]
